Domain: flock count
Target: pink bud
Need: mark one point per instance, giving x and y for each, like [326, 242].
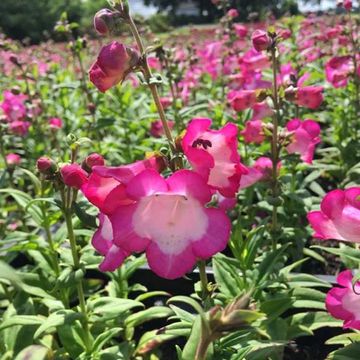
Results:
[73, 175]
[93, 159]
[45, 165]
[233, 13]
[261, 40]
[55, 123]
[114, 62]
[347, 5]
[13, 159]
[104, 21]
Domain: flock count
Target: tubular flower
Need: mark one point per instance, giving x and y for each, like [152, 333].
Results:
[253, 132]
[106, 186]
[310, 96]
[114, 62]
[339, 216]
[242, 99]
[169, 221]
[213, 154]
[337, 70]
[305, 138]
[344, 302]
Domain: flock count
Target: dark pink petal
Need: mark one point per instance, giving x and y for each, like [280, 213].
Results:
[333, 204]
[170, 265]
[146, 183]
[216, 237]
[187, 182]
[113, 259]
[323, 226]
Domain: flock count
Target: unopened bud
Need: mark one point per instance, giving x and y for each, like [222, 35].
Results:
[73, 175]
[104, 21]
[93, 159]
[261, 40]
[46, 165]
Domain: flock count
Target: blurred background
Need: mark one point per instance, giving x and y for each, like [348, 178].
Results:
[33, 21]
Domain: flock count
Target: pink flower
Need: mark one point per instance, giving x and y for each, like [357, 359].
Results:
[45, 165]
[13, 159]
[305, 138]
[242, 99]
[343, 302]
[213, 154]
[260, 171]
[73, 175]
[55, 123]
[253, 132]
[103, 242]
[19, 127]
[166, 101]
[261, 111]
[240, 30]
[310, 96]
[338, 217]
[106, 186]
[285, 33]
[104, 21]
[260, 40]
[337, 70]
[114, 62]
[232, 13]
[92, 160]
[154, 63]
[169, 221]
[13, 106]
[157, 130]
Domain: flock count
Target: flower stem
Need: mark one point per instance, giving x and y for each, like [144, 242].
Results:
[153, 87]
[275, 150]
[80, 289]
[205, 294]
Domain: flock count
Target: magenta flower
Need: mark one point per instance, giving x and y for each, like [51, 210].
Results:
[232, 13]
[260, 171]
[157, 130]
[13, 159]
[103, 242]
[240, 30]
[73, 175]
[310, 96]
[55, 123]
[338, 217]
[19, 127]
[242, 99]
[337, 70]
[169, 221]
[114, 62]
[13, 106]
[213, 154]
[260, 40]
[253, 132]
[305, 138]
[104, 21]
[343, 302]
[106, 186]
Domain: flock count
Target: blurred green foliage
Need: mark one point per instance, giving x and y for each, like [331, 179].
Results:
[34, 20]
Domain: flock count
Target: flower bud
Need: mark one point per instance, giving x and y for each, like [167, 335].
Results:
[104, 21]
[73, 175]
[113, 64]
[55, 123]
[93, 159]
[13, 159]
[260, 40]
[46, 165]
[233, 13]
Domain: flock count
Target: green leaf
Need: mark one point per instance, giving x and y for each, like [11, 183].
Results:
[344, 339]
[106, 308]
[56, 319]
[156, 312]
[84, 217]
[103, 338]
[21, 320]
[344, 252]
[309, 298]
[33, 178]
[33, 352]
[350, 352]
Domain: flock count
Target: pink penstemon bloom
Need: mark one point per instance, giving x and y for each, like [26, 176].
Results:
[305, 137]
[214, 155]
[338, 217]
[158, 222]
[343, 302]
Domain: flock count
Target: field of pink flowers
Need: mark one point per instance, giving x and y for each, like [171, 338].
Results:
[193, 196]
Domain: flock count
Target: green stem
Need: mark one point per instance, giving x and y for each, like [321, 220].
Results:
[275, 150]
[80, 289]
[205, 294]
[153, 87]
